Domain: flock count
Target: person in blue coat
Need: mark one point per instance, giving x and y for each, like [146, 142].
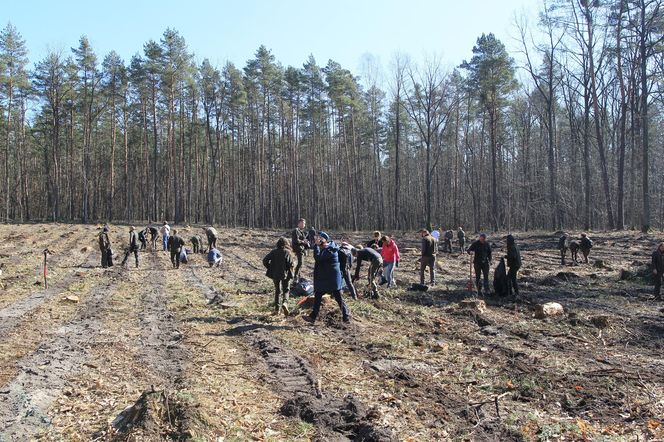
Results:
[327, 276]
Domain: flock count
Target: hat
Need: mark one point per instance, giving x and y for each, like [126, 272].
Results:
[324, 236]
[482, 235]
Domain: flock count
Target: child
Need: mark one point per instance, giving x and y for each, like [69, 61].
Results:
[279, 265]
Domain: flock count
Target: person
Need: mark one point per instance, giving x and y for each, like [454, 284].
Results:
[196, 243]
[105, 248]
[448, 241]
[327, 276]
[585, 244]
[133, 246]
[391, 258]
[436, 234]
[165, 235]
[563, 245]
[372, 256]
[142, 238]
[375, 243]
[214, 257]
[428, 258]
[175, 244]
[658, 269]
[346, 264]
[299, 244]
[461, 237]
[184, 255]
[481, 250]
[574, 250]
[212, 236]
[153, 235]
[279, 265]
[514, 264]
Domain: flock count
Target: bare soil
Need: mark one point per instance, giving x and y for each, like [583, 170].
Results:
[156, 353]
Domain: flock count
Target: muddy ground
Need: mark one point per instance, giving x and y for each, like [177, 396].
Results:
[195, 354]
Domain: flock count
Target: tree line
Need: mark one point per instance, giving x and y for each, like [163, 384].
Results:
[569, 136]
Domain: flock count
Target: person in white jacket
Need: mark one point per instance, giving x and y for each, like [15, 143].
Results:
[165, 234]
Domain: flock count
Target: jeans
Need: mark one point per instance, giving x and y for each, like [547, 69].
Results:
[280, 287]
[129, 252]
[375, 269]
[658, 284]
[481, 269]
[175, 259]
[388, 273]
[349, 282]
[164, 241]
[512, 285]
[298, 266]
[428, 261]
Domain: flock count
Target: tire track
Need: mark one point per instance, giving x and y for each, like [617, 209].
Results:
[24, 402]
[12, 315]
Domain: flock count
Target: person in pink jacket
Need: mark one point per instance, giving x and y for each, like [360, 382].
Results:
[391, 258]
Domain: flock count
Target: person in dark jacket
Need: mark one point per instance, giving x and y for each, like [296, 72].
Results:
[428, 259]
[514, 264]
[154, 234]
[447, 237]
[143, 239]
[197, 243]
[133, 246]
[212, 236]
[574, 251]
[375, 266]
[105, 248]
[175, 244]
[563, 245]
[327, 276]
[346, 264]
[658, 269]
[376, 242]
[585, 244]
[279, 265]
[481, 250]
[461, 237]
[299, 244]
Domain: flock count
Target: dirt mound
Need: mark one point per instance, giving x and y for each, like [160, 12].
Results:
[335, 417]
[154, 413]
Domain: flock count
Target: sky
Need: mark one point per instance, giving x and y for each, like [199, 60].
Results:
[343, 30]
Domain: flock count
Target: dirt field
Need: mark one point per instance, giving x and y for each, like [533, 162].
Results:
[196, 354]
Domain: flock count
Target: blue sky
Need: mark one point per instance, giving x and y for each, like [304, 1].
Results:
[341, 30]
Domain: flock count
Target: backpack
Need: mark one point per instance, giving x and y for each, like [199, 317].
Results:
[304, 287]
[500, 279]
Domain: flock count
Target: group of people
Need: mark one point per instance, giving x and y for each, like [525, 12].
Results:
[565, 243]
[333, 262]
[333, 265]
[448, 236]
[171, 242]
[481, 260]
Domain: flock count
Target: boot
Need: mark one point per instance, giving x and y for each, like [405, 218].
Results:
[285, 309]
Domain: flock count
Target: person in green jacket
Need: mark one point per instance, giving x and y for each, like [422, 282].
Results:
[279, 265]
[461, 237]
